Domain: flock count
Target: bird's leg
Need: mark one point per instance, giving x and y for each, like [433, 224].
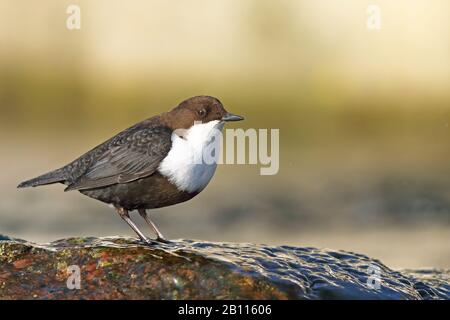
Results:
[159, 236]
[123, 213]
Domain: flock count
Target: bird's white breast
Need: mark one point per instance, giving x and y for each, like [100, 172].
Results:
[184, 165]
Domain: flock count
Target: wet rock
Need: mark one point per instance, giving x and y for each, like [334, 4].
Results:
[121, 268]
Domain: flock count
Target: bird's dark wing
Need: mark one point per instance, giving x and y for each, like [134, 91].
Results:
[127, 157]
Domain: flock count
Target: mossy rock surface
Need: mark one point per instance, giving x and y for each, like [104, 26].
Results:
[122, 268]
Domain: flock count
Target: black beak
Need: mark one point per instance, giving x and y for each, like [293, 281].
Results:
[231, 117]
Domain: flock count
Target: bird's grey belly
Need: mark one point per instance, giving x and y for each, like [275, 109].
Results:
[150, 192]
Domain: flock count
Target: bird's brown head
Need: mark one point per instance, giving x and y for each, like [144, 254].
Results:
[199, 109]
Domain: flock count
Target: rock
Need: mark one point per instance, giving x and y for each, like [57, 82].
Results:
[121, 268]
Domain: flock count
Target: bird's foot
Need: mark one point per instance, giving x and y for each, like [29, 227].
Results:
[163, 240]
[151, 242]
[146, 241]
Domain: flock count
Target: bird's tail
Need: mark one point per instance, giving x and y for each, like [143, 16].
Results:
[47, 178]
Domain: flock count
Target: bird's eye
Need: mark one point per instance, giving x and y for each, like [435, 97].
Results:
[202, 112]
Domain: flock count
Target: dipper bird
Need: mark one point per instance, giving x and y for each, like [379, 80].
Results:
[149, 165]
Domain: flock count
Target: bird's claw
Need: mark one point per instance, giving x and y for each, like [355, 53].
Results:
[162, 240]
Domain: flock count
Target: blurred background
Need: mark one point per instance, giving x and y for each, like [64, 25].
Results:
[363, 115]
